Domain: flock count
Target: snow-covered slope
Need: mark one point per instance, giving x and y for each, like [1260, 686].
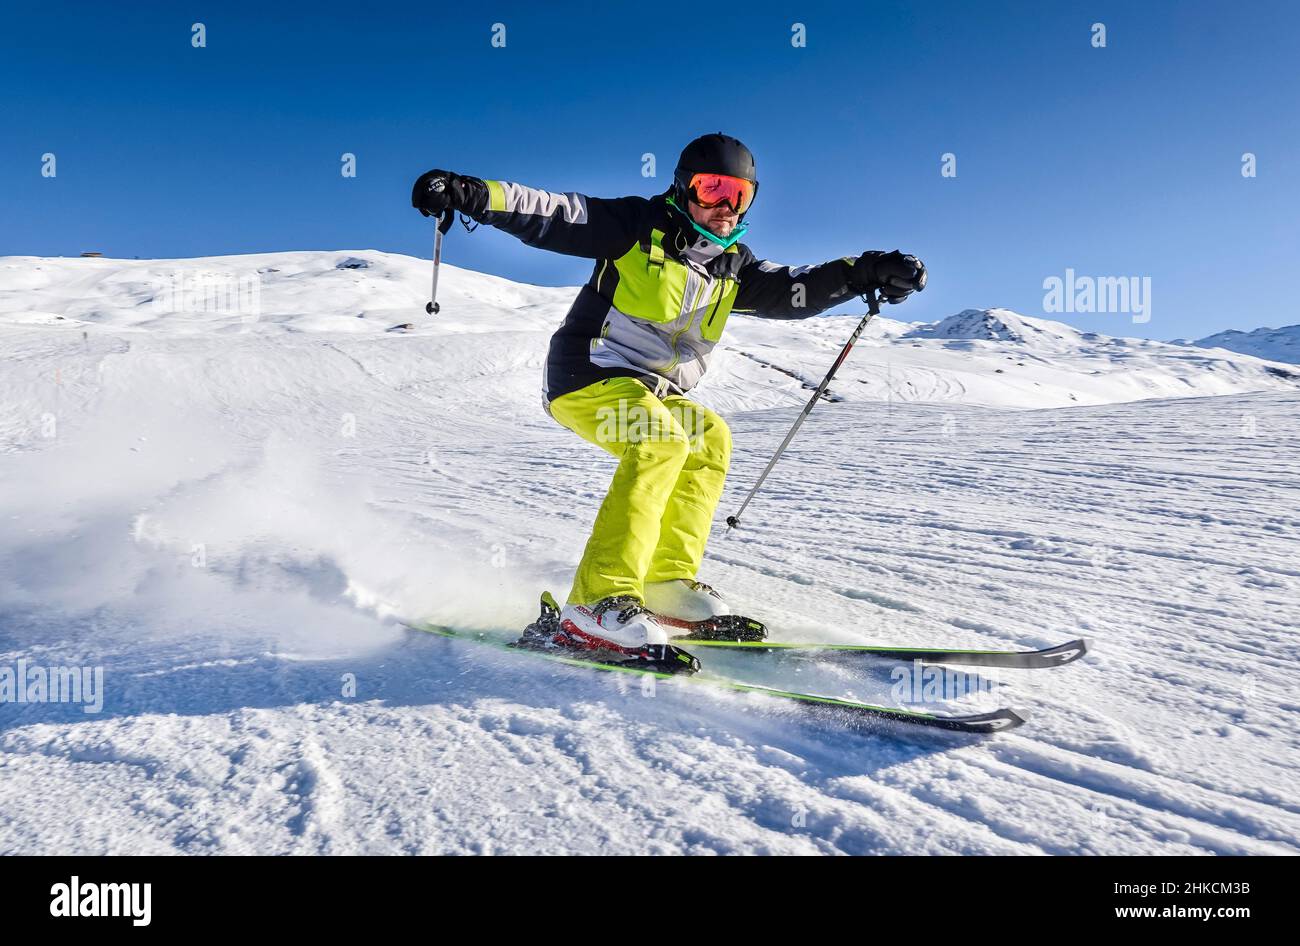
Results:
[1275, 344]
[992, 357]
[225, 513]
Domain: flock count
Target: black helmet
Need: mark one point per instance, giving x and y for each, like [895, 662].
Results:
[712, 154]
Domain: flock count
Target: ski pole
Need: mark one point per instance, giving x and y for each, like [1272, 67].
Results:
[873, 309]
[444, 224]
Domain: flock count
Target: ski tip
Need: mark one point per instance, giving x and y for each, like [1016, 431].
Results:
[978, 724]
[1065, 653]
[548, 601]
[1002, 720]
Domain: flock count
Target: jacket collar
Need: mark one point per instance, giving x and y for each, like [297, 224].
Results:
[681, 238]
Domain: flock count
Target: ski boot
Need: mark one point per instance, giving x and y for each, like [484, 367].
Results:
[695, 611]
[617, 630]
[682, 601]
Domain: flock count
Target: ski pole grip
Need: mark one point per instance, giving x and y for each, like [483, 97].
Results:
[872, 298]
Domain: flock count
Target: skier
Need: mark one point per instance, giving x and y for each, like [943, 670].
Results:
[668, 272]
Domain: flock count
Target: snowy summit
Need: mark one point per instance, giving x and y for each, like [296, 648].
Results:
[1275, 344]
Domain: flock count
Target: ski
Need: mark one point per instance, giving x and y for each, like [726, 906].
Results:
[981, 723]
[735, 632]
[1056, 656]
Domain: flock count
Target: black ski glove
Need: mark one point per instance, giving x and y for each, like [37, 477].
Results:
[438, 191]
[895, 275]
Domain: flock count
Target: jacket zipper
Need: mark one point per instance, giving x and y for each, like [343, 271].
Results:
[714, 312]
[677, 355]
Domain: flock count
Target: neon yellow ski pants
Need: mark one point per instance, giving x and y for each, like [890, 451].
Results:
[655, 519]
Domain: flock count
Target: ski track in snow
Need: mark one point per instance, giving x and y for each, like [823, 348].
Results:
[331, 478]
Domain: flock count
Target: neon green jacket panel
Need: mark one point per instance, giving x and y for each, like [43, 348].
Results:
[651, 308]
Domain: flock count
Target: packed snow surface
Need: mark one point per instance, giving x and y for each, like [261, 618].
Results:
[229, 511]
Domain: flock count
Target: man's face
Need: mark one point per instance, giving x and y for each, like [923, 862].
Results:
[719, 220]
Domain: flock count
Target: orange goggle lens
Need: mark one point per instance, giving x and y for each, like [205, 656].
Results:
[711, 190]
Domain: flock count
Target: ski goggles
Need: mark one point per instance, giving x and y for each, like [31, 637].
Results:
[713, 190]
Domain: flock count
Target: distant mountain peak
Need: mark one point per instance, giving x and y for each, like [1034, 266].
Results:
[1273, 344]
[1000, 325]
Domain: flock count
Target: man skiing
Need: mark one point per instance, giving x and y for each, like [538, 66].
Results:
[669, 270]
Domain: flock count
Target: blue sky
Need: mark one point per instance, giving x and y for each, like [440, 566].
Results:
[1123, 161]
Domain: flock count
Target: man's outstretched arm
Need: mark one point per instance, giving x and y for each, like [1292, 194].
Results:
[593, 227]
[773, 291]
